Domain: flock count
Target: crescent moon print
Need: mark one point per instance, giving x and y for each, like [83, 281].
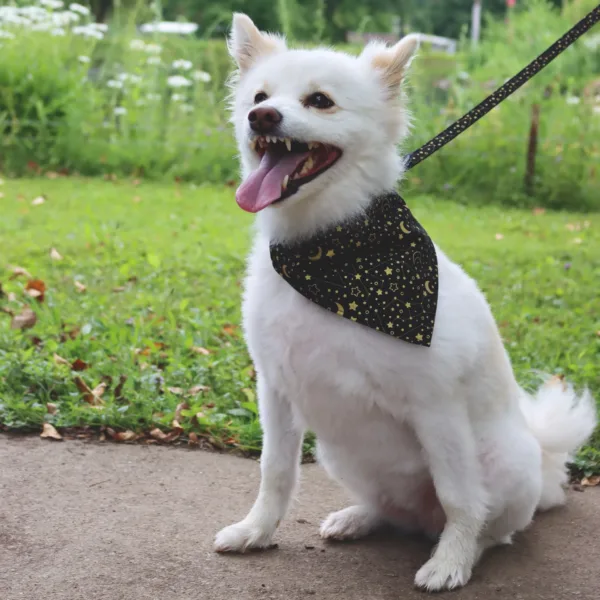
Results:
[318, 255]
[373, 276]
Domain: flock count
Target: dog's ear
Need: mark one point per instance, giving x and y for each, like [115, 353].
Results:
[391, 63]
[247, 43]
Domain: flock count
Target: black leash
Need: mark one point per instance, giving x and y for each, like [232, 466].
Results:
[534, 67]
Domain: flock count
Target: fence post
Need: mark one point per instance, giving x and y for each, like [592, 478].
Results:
[475, 22]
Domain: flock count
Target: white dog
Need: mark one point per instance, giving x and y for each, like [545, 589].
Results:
[439, 439]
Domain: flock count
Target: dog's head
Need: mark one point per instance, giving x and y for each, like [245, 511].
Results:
[317, 130]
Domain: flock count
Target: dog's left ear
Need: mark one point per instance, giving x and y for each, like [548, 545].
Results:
[247, 43]
[391, 63]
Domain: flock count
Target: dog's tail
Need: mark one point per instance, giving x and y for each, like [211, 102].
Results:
[561, 421]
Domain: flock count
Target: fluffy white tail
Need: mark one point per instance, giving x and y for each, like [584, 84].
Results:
[561, 421]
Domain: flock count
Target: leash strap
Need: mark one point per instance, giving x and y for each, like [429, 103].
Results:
[534, 67]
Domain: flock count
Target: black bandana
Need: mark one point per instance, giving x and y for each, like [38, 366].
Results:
[379, 270]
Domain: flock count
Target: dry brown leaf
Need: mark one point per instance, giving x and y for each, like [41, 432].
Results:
[176, 426]
[181, 406]
[55, 254]
[92, 397]
[119, 289]
[200, 350]
[79, 365]
[591, 481]
[20, 271]
[26, 320]
[7, 310]
[49, 432]
[176, 390]
[59, 360]
[36, 288]
[229, 329]
[80, 287]
[538, 210]
[51, 408]
[499, 236]
[197, 389]
[52, 175]
[137, 199]
[11, 297]
[119, 388]
[192, 439]
[38, 201]
[126, 436]
[157, 434]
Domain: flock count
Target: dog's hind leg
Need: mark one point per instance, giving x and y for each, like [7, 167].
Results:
[280, 462]
[352, 523]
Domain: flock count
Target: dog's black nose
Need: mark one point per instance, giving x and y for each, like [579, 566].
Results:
[264, 120]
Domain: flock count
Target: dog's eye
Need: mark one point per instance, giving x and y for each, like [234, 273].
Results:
[319, 100]
[260, 97]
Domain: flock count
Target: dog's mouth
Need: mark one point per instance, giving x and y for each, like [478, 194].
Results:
[285, 166]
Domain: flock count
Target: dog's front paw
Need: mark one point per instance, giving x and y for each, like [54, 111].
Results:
[439, 574]
[351, 523]
[241, 537]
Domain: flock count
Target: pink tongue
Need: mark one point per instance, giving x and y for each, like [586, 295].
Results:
[263, 186]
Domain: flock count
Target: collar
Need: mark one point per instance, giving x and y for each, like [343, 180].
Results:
[378, 269]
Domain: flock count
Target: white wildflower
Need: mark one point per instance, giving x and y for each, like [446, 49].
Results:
[83, 59]
[154, 60]
[52, 3]
[596, 110]
[186, 108]
[178, 97]
[463, 75]
[169, 27]
[153, 49]
[177, 81]
[120, 110]
[115, 84]
[79, 8]
[124, 77]
[100, 26]
[153, 97]
[136, 44]
[59, 31]
[184, 65]
[6, 35]
[202, 76]
[573, 100]
[88, 31]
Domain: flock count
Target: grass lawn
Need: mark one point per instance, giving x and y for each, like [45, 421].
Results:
[143, 281]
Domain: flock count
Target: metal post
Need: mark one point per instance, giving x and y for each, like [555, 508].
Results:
[475, 22]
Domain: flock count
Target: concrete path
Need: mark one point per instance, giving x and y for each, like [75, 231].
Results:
[101, 521]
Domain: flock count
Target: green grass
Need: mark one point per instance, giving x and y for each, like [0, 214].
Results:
[175, 256]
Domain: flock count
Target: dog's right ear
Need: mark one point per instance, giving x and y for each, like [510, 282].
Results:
[247, 44]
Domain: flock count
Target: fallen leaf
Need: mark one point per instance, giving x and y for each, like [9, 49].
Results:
[118, 290]
[499, 236]
[51, 408]
[19, 271]
[80, 287]
[176, 426]
[79, 365]
[39, 200]
[157, 434]
[136, 182]
[26, 320]
[192, 439]
[176, 390]
[126, 436]
[197, 389]
[7, 310]
[591, 481]
[200, 350]
[49, 432]
[59, 360]
[36, 288]
[137, 199]
[181, 406]
[577, 241]
[90, 396]
[538, 210]
[229, 329]
[55, 254]
[52, 175]
[119, 388]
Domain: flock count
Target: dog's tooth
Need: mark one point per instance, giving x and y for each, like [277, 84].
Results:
[312, 145]
[286, 180]
[309, 163]
[288, 144]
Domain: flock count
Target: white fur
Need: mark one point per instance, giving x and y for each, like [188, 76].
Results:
[394, 421]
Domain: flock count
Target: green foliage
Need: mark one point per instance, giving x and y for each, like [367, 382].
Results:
[162, 266]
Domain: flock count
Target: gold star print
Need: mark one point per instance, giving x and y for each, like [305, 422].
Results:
[308, 278]
[355, 291]
[379, 292]
[388, 271]
[413, 245]
[330, 253]
[353, 306]
[419, 337]
[338, 228]
[394, 287]
[408, 305]
[390, 324]
[358, 244]
[359, 259]
[353, 318]
[401, 237]
[358, 276]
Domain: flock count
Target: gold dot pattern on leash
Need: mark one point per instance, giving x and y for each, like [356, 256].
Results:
[379, 270]
[503, 91]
